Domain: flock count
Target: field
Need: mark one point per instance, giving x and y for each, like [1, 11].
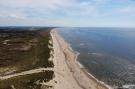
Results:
[31, 81]
[23, 49]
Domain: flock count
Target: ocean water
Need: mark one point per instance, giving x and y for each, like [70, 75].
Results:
[107, 53]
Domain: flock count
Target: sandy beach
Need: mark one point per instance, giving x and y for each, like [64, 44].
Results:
[68, 74]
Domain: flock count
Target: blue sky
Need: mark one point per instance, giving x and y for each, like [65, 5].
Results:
[80, 13]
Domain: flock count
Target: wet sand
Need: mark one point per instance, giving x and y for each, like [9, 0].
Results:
[68, 74]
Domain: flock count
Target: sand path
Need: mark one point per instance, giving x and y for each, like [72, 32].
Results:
[25, 73]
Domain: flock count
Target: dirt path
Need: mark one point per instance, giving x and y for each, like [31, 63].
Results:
[25, 73]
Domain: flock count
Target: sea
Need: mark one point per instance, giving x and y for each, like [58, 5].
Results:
[106, 53]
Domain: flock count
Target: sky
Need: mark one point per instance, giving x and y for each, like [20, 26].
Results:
[69, 13]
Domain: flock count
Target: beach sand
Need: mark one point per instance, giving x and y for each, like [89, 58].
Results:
[68, 74]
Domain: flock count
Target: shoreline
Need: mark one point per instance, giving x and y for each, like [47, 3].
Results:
[83, 78]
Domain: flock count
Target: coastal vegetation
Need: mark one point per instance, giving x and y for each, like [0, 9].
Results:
[31, 81]
[23, 49]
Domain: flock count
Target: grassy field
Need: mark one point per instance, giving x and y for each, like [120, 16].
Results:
[31, 81]
[23, 49]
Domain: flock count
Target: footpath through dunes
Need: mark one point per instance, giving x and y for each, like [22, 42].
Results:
[25, 73]
[73, 76]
